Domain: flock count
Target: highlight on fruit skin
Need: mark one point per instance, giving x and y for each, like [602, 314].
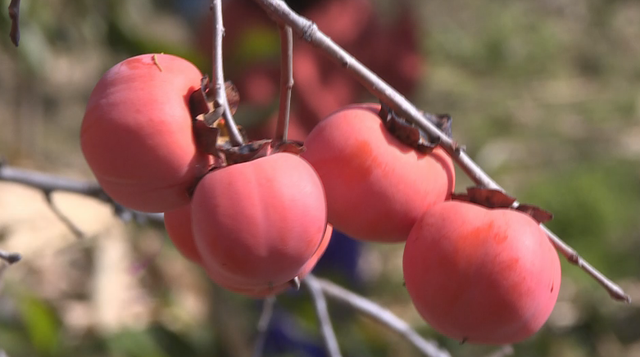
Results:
[256, 224]
[478, 275]
[376, 186]
[136, 133]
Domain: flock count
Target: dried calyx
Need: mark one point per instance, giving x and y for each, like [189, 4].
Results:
[409, 134]
[212, 135]
[491, 198]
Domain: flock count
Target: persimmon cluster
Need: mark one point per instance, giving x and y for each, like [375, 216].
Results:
[259, 220]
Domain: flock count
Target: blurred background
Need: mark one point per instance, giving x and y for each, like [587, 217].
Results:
[545, 95]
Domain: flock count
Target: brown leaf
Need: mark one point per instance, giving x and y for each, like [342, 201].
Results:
[491, 198]
[407, 132]
[290, 146]
[206, 137]
[537, 213]
[233, 96]
[247, 152]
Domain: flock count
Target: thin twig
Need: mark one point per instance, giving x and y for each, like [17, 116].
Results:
[382, 315]
[14, 15]
[263, 325]
[61, 216]
[282, 14]
[51, 183]
[320, 303]
[10, 257]
[286, 82]
[220, 96]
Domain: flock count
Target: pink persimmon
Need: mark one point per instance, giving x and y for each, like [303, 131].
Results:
[137, 134]
[481, 275]
[177, 222]
[376, 186]
[259, 222]
[229, 282]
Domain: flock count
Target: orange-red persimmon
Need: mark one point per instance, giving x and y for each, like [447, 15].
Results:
[376, 186]
[481, 275]
[137, 135]
[259, 222]
[228, 282]
[177, 222]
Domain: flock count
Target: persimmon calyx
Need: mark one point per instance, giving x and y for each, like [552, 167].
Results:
[409, 134]
[491, 198]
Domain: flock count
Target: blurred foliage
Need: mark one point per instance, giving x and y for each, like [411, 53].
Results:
[543, 94]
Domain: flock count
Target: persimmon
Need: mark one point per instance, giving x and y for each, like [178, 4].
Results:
[137, 134]
[481, 275]
[376, 186]
[260, 221]
[228, 282]
[177, 222]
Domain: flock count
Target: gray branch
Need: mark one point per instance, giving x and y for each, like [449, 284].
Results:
[382, 315]
[320, 303]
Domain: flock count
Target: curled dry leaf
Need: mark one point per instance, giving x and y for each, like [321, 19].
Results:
[491, 198]
[410, 134]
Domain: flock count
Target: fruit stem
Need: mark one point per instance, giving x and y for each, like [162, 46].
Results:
[283, 15]
[286, 83]
[220, 96]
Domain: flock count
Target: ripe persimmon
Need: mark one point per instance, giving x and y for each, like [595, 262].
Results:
[229, 283]
[481, 275]
[177, 222]
[137, 134]
[259, 222]
[376, 186]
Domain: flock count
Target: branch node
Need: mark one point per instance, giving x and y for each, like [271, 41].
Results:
[309, 31]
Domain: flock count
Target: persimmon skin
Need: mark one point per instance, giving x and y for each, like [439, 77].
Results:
[376, 186]
[480, 275]
[137, 136]
[259, 222]
[262, 292]
[177, 222]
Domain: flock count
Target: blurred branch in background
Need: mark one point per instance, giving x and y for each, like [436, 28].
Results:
[14, 15]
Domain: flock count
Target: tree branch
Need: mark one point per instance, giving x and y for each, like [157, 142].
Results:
[320, 303]
[382, 315]
[263, 325]
[283, 15]
[286, 82]
[220, 95]
[49, 183]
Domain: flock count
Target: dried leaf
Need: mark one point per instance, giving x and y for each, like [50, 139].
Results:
[206, 137]
[540, 215]
[233, 96]
[291, 146]
[406, 132]
[247, 152]
[491, 198]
